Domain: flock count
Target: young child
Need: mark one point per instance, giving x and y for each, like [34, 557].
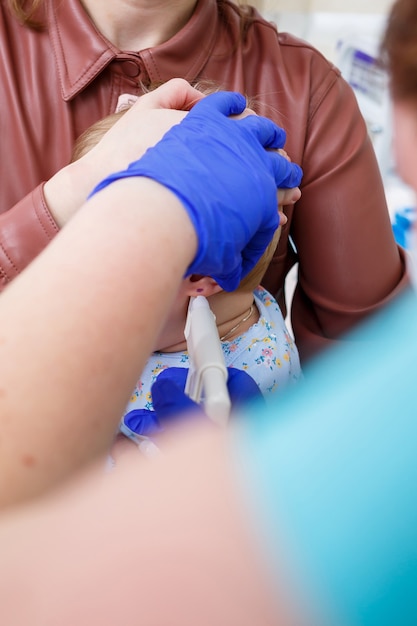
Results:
[251, 327]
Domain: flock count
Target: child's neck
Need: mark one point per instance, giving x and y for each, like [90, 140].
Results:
[234, 316]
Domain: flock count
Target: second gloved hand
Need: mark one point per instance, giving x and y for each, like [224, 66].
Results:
[226, 174]
[171, 404]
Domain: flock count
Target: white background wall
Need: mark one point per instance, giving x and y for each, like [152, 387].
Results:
[324, 22]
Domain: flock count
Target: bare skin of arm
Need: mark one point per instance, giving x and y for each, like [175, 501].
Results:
[163, 542]
[90, 342]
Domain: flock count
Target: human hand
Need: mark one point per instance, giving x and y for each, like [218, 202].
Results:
[286, 196]
[142, 126]
[219, 167]
[172, 405]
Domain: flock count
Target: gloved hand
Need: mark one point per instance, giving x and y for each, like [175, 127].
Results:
[226, 179]
[171, 403]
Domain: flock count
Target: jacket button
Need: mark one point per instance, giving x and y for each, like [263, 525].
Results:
[130, 68]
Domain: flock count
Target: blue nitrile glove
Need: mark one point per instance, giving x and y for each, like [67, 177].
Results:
[226, 179]
[170, 402]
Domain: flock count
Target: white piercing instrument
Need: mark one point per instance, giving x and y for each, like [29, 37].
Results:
[207, 374]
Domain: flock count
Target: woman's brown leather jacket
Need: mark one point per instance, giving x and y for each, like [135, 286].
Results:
[56, 82]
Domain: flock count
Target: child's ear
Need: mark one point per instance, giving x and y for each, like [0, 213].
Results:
[197, 285]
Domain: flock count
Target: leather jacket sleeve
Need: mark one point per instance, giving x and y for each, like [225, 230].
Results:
[349, 265]
[24, 231]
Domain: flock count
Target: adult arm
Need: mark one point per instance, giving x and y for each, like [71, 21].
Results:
[163, 542]
[28, 227]
[349, 263]
[65, 339]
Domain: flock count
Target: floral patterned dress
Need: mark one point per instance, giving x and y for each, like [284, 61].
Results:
[266, 351]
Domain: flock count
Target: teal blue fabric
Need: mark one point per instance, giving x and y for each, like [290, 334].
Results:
[330, 476]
